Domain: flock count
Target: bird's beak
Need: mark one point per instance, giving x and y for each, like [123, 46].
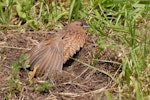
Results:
[86, 26]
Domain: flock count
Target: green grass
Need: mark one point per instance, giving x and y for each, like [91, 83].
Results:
[127, 20]
[43, 87]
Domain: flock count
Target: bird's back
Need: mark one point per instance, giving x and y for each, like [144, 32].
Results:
[73, 40]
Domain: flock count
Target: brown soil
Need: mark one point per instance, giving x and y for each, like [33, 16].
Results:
[77, 82]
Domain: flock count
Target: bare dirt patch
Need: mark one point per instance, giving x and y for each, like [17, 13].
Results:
[77, 82]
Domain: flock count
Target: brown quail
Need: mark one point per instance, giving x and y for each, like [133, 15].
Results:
[49, 56]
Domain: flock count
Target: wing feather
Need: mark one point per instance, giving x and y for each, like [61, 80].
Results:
[36, 57]
[47, 58]
[44, 60]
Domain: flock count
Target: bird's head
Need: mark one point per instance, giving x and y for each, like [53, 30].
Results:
[78, 24]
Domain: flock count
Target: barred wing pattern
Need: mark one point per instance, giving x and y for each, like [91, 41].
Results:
[73, 41]
[47, 57]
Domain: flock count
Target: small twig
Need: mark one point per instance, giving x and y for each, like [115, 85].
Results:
[102, 71]
[73, 83]
[86, 93]
[107, 61]
[20, 48]
[42, 31]
[21, 97]
[82, 94]
[95, 91]
[2, 43]
[69, 94]
[51, 97]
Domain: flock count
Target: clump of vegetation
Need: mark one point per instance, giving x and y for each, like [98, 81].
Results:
[43, 87]
[15, 85]
[14, 78]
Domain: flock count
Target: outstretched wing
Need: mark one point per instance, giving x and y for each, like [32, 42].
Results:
[47, 57]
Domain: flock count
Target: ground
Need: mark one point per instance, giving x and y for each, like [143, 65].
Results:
[77, 82]
[114, 64]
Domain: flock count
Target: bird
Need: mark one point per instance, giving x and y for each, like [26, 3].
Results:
[49, 55]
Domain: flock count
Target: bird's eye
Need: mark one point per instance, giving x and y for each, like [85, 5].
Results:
[81, 24]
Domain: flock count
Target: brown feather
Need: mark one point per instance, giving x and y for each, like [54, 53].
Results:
[45, 56]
